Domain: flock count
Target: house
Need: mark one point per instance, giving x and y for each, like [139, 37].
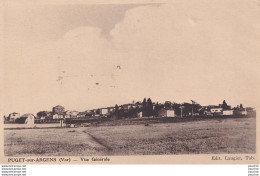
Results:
[210, 110]
[84, 114]
[58, 116]
[207, 113]
[29, 119]
[127, 106]
[166, 112]
[215, 110]
[103, 111]
[154, 105]
[71, 114]
[139, 114]
[111, 109]
[227, 112]
[67, 115]
[243, 111]
[13, 116]
[240, 111]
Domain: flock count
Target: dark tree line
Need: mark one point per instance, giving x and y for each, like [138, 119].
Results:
[147, 108]
[121, 113]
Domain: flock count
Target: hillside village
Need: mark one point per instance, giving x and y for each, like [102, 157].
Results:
[138, 109]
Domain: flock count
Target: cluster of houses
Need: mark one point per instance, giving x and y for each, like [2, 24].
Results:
[210, 110]
[168, 109]
[218, 110]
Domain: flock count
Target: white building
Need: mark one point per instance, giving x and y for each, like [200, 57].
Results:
[140, 114]
[166, 113]
[104, 111]
[57, 116]
[216, 110]
[71, 114]
[244, 112]
[170, 113]
[29, 119]
[228, 112]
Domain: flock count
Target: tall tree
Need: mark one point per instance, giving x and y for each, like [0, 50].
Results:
[224, 105]
[156, 109]
[4, 119]
[116, 110]
[149, 107]
[41, 114]
[187, 108]
[144, 107]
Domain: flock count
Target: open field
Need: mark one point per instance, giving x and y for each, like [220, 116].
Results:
[236, 135]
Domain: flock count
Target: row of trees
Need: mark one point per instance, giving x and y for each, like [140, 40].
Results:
[150, 108]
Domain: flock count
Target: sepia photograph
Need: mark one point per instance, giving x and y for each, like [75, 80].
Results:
[143, 79]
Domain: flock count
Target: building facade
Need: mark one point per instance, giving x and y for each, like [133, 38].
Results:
[228, 112]
[166, 113]
[216, 110]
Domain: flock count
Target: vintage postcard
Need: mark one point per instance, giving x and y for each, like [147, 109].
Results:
[147, 82]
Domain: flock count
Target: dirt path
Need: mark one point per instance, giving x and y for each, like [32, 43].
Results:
[94, 141]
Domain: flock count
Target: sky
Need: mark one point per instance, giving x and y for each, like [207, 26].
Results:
[89, 56]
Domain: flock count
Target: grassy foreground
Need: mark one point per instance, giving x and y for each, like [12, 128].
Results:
[236, 135]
